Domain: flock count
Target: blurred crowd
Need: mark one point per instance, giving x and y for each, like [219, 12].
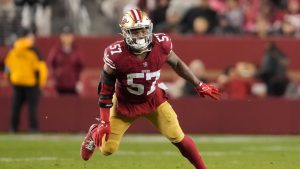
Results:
[215, 17]
[44, 17]
[245, 79]
[229, 17]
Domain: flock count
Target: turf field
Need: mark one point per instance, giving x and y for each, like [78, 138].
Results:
[150, 152]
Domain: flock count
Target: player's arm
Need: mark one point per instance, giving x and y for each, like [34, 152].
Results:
[183, 70]
[106, 88]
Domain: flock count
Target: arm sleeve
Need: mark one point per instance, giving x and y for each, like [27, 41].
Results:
[109, 60]
[105, 92]
[106, 88]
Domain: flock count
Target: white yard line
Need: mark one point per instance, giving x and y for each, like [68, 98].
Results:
[41, 137]
[152, 138]
[231, 139]
[9, 159]
[174, 153]
[276, 148]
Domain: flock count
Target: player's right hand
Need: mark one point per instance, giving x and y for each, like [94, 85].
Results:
[102, 130]
[208, 90]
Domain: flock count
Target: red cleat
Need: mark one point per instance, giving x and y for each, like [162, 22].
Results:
[87, 146]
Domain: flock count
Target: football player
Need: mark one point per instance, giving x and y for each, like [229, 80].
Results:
[129, 89]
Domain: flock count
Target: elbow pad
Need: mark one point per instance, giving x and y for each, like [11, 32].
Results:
[106, 88]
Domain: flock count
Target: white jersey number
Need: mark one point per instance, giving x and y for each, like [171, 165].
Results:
[161, 37]
[139, 89]
[115, 49]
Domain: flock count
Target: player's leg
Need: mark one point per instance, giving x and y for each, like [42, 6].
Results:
[18, 101]
[165, 119]
[87, 146]
[119, 124]
[32, 94]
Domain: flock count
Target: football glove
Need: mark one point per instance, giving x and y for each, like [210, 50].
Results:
[208, 90]
[102, 130]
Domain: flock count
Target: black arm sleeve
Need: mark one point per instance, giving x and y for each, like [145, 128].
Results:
[106, 88]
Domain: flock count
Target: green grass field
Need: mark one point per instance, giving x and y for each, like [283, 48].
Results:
[150, 152]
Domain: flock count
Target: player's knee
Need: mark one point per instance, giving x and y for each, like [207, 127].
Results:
[175, 134]
[109, 148]
[176, 138]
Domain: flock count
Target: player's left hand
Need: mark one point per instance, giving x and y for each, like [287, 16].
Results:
[208, 90]
[102, 130]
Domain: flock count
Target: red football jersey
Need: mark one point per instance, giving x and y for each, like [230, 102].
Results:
[137, 79]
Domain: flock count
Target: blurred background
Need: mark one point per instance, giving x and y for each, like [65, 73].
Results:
[248, 48]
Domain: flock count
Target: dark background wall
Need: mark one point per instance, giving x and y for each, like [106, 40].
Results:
[196, 115]
[249, 116]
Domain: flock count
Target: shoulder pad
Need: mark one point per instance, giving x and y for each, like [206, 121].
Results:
[112, 52]
[164, 41]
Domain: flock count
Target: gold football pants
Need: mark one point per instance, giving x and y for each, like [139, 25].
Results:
[163, 118]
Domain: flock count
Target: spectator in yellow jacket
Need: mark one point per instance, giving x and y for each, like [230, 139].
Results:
[27, 72]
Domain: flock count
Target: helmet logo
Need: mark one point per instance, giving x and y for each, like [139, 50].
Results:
[124, 20]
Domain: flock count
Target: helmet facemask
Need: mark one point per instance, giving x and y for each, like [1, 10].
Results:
[138, 43]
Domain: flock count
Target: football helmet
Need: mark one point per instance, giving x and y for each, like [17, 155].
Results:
[133, 20]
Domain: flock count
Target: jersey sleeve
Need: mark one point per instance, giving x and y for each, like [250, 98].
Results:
[112, 53]
[165, 42]
[108, 59]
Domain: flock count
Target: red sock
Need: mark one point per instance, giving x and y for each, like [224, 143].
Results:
[189, 150]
